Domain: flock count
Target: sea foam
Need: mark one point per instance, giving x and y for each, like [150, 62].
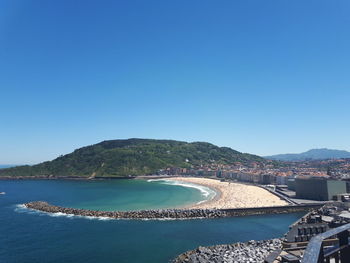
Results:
[20, 208]
[207, 192]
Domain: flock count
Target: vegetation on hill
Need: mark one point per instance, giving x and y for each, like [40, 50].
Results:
[133, 157]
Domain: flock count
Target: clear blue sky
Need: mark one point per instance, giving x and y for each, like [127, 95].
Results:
[262, 77]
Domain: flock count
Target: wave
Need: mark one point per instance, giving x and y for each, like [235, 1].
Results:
[20, 208]
[206, 192]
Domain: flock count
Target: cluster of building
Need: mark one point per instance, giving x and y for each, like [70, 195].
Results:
[326, 181]
[313, 180]
[255, 172]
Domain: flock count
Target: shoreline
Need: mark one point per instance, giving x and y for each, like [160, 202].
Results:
[231, 195]
[208, 209]
[210, 203]
[82, 178]
[214, 199]
[228, 195]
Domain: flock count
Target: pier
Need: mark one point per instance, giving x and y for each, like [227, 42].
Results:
[172, 213]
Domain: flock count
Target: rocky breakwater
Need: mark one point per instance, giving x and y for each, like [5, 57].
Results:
[252, 251]
[141, 214]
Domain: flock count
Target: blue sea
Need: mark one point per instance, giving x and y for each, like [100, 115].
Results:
[30, 236]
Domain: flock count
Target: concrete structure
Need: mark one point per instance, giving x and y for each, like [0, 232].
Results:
[291, 184]
[318, 188]
[281, 180]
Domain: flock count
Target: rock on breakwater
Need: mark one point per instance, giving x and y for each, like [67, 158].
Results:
[141, 214]
[171, 213]
[252, 251]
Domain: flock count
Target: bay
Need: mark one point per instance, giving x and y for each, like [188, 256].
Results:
[29, 236]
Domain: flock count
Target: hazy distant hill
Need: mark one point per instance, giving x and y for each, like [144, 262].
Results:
[314, 154]
[133, 157]
[7, 165]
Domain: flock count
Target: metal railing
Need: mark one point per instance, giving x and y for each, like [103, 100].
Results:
[319, 252]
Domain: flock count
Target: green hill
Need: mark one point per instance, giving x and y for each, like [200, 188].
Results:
[133, 157]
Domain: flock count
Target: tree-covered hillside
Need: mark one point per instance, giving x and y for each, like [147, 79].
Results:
[133, 157]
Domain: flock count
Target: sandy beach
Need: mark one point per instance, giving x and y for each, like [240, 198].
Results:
[233, 195]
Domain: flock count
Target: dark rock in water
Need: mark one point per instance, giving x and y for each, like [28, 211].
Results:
[172, 213]
[252, 251]
[141, 214]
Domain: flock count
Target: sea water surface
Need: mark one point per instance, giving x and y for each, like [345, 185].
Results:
[30, 236]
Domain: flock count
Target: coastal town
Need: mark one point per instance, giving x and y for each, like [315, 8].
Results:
[319, 236]
[269, 172]
[297, 182]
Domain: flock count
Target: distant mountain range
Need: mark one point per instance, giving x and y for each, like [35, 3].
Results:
[7, 165]
[314, 154]
[133, 157]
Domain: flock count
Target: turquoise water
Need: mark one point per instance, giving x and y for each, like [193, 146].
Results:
[112, 194]
[28, 236]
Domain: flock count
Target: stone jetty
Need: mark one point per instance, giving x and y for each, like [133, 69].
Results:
[252, 251]
[173, 213]
[141, 214]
